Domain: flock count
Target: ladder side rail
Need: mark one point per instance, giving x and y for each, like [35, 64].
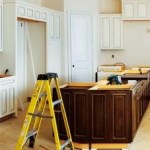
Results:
[52, 113]
[63, 112]
[28, 118]
[38, 120]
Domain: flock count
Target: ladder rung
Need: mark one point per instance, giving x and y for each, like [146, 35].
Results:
[43, 94]
[57, 102]
[65, 144]
[38, 114]
[31, 133]
[58, 111]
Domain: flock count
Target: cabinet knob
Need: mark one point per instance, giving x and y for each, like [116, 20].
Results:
[73, 65]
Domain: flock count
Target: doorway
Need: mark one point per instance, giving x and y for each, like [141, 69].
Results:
[31, 56]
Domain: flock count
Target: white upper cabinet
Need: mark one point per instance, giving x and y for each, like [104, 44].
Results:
[111, 31]
[136, 9]
[54, 25]
[31, 12]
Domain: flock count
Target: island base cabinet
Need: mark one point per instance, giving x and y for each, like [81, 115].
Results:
[102, 116]
[76, 107]
[110, 116]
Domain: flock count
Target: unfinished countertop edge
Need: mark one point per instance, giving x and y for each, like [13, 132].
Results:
[98, 85]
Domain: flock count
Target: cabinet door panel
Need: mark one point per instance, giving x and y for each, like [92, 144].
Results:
[142, 10]
[128, 10]
[66, 96]
[57, 26]
[11, 100]
[120, 117]
[43, 15]
[117, 32]
[66, 99]
[3, 100]
[37, 14]
[80, 116]
[51, 26]
[21, 11]
[99, 117]
[105, 32]
[30, 12]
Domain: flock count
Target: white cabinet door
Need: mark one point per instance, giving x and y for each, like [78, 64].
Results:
[11, 100]
[142, 10]
[116, 32]
[7, 101]
[57, 26]
[54, 26]
[21, 11]
[135, 10]
[51, 26]
[111, 31]
[105, 32]
[128, 10]
[3, 103]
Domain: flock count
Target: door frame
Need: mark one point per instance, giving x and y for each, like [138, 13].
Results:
[69, 39]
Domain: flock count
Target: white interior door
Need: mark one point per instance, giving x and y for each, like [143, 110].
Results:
[81, 47]
[21, 72]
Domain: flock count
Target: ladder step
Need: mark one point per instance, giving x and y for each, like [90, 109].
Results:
[57, 102]
[38, 114]
[43, 95]
[31, 133]
[66, 143]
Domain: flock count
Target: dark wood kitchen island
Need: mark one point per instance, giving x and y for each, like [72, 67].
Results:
[103, 116]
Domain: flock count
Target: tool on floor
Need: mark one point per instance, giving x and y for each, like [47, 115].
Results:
[42, 93]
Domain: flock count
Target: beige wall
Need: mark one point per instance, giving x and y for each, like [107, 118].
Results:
[54, 4]
[110, 6]
[37, 35]
[36, 2]
[84, 5]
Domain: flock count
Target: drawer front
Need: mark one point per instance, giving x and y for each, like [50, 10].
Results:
[7, 81]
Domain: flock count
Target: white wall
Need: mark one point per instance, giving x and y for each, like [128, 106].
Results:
[7, 57]
[136, 46]
[136, 39]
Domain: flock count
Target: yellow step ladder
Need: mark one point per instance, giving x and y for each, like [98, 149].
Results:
[41, 97]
